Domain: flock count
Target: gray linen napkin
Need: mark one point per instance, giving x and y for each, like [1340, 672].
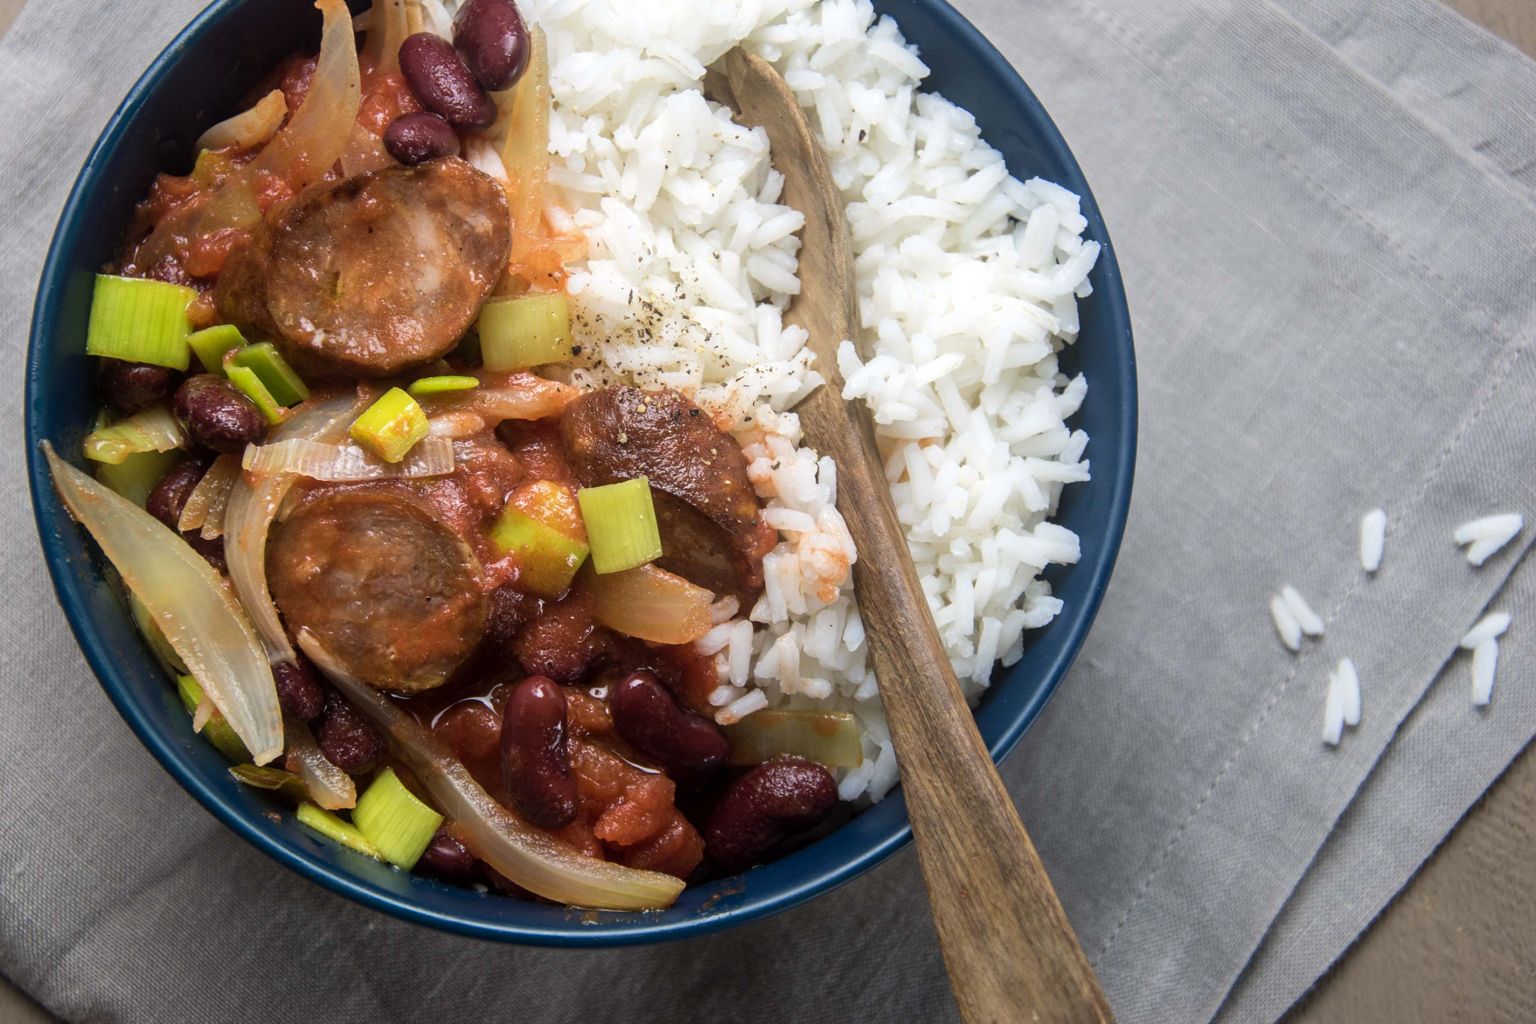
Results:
[1324, 212]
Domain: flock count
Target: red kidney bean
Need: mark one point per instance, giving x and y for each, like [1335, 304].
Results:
[346, 738]
[647, 715]
[535, 755]
[298, 689]
[170, 495]
[217, 415]
[447, 858]
[438, 77]
[492, 39]
[416, 138]
[127, 388]
[766, 806]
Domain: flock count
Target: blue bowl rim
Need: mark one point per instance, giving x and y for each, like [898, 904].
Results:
[1098, 562]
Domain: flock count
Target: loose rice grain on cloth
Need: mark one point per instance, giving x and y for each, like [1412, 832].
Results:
[1293, 290]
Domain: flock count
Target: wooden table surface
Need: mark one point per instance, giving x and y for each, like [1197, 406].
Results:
[1459, 943]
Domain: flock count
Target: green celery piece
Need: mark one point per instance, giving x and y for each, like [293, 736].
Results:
[216, 729]
[250, 385]
[391, 426]
[140, 321]
[336, 829]
[530, 330]
[274, 372]
[151, 430]
[547, 559]
[391, 818]
[212, 344]
[446, 385]
[621, 525]
[137, 475]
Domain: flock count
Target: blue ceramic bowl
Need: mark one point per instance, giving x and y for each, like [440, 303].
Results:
[200, 78]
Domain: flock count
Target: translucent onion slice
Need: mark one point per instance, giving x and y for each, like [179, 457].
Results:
[651, 604]
[250, 128]
[186, 599]
[205, 505]
[389, 23]
[531, 858]
[254, 501]
[153, 430]
[432, 456]
[505, 396]
[327, 785]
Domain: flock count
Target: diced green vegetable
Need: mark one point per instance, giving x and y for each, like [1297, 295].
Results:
[152, 430]
[530, 330]
[547, 559]
[441, 386]
[829, 737]
[334, 828]
[391, 426]
[269, 778]
[250, 385]
[140, 320]
[137, 475]
[156, 638]
[621, 525]
[391, 818]
[212, 344]
[216, 729]
[273, 371]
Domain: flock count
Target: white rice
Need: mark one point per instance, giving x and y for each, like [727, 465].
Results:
[1485, 664]
[1285, 623]
[1341, 705]
[969, 282]
[1373, 537]
[1488, 535]
[1310, 622]
[1489, 627]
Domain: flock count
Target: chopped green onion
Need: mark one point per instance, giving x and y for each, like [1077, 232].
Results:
[137, 475]
[547, 559]
[140, 320]
[269, 778]
[391, 818]
[830, 737]
[216, 729]
[391, 426]
[212, 344]
[621, 525]
[250, 385]
[152, 430]
[155, 637]
[441, 386]
[334, 828]
[530, 330]
[273, 371]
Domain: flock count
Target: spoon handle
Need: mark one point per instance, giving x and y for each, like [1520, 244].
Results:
[1011, 953]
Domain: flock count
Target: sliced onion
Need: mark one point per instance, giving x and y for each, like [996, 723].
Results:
[248, 129]
[337, 463]
[532, 859]
[506, 396]
[254, 501]
[651, 604]
[187, 600]
[327, 785]
[389, 23]
[365, 152]
[205, 505]
[153, 430]
[523, 128]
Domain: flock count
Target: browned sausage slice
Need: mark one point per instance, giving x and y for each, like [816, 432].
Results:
[376, 274]
[711, 529]
[391, 593]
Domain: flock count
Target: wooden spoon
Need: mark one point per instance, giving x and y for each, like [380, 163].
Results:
[1011, 953]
